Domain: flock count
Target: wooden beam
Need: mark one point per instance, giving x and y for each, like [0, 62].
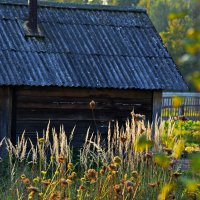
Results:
[5, 112]
[156, 105]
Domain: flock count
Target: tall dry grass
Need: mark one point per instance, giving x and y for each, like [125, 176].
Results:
[134, 163]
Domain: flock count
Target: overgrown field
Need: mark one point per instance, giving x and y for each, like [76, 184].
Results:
[134, 163]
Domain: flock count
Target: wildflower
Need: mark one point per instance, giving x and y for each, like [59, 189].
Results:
[178, 148]
[115, 197]
[117, 160]
[130, 189]
[103, 170]
[82, 187]
[114, 172]
[33, 189]
[63, 182]
[31, 195]
[56, 172]
[152, 185]
[41, 141]
[189, 149]
[46, 182]
[123, 138]
[93, 181]
[26, 181]
[40, 194]
[70, 177]
[36, 180]
[125, 176]
[117, 189]
[92, 105]
[91, 174]
[135, 174]
[149, 155]
[43, 173]
[176, 174]
[53, 196]
[69, 181]
[70, 166]
[82, 180]
[61, 159]
[110, 177]
[137, 117]
[165, 191]
[129, 184]
[23, 176]
[162, 160]
[111, 167]
[73, 174]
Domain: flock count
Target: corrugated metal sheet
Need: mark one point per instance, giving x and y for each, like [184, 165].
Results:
[85, 46]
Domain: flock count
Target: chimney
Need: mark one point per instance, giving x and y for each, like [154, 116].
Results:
[32, 18]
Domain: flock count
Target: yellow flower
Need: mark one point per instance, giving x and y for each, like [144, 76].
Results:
[165, 191]
[40, 194]
[43, 173]
[70, 166]
[31, 194]
[117, 160]
[36, 180]
[134, 174]
[23, 176]
[73, 174]
[82, 180]
[69, 181]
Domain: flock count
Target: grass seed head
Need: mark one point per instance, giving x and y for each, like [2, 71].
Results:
[41, 141]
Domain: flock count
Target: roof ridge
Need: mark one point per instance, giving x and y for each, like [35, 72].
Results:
[77, 6]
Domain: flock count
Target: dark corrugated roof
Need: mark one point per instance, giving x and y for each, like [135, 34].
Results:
[85, 46]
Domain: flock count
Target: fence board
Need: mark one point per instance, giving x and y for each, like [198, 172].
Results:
[190, 106]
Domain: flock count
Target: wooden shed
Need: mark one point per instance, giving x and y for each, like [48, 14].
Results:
[55, 58]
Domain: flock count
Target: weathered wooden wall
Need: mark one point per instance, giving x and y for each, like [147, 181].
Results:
[5, 112]
[157, 105]
[35, 106]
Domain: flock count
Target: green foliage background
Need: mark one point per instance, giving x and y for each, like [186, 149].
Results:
[178, 22]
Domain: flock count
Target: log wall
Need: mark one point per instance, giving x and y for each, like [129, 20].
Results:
[35, 106]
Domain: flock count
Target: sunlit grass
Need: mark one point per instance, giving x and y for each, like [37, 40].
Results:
[131, 165]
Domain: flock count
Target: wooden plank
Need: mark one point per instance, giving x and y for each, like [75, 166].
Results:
[157, 105]
[81, 92]
[5, 112]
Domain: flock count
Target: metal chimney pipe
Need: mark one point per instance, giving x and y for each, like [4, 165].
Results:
[32, 19]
